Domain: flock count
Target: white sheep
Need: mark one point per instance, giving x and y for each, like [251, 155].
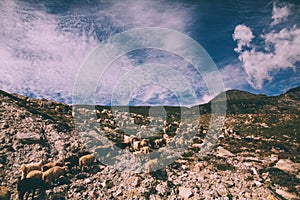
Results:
[86, 160]
[136, 145]
[26, 168]
[127, 139]
[53, 173]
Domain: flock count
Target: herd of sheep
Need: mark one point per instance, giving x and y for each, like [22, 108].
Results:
[39, 175]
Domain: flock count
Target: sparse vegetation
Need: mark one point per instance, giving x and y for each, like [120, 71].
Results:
[260, 139]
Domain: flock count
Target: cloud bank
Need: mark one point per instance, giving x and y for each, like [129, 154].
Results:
[41, 50]
[278, 51]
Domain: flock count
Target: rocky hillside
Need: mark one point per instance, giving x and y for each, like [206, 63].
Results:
[256, 155]
[240, 102]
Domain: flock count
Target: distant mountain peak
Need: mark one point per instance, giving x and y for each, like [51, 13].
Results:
[237, 95]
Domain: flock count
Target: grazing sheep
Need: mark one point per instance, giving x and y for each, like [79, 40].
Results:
[127, 139]
[30, 185]
[26, 168]
[144, 143]
[4, 193]
[159, 142]
[133, 139]
[145, 150]
[151, 165]
[35, 174]
[50, 165]
[138, 155]
[54, 173]
[136, 145]
[167, 138]
[86, 160]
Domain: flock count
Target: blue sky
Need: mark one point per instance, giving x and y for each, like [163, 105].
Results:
[255, 45]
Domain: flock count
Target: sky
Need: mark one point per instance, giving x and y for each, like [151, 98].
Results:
[255, 46]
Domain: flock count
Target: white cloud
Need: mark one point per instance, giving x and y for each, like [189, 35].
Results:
[233, 76]
[280, 14]
[243, 35]
[280, 52]
[42, 52]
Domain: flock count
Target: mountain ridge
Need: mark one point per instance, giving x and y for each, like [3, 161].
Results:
[231, 95]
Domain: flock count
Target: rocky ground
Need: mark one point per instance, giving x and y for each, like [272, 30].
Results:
[260, 160]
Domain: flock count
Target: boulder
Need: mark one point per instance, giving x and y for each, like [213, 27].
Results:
[28, 138]
[185, 193]
[287, 166]
[223, 153]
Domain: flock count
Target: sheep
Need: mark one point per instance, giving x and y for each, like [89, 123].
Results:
[4, 193]
[86, 160]
[159, 142]
[26, 168]
[133, 139]
[139, 154]
[30, 185]
[145, 150]
[167, 138]
[151, 165]
[35, 174]
[144, 143]
[53, 173]
[127, 139]
[136, 145]
[50, 165]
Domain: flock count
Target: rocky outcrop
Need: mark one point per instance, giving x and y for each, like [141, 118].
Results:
[249, 164]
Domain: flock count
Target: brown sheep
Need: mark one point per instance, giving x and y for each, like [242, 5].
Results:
[167, 138]
[26, 168]
[159, 142]
[50, 165]
[138, 155]
[35, 174]
[53, 173]
[144, 143]
[4, 193]
[145, 150]
[86, 160]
